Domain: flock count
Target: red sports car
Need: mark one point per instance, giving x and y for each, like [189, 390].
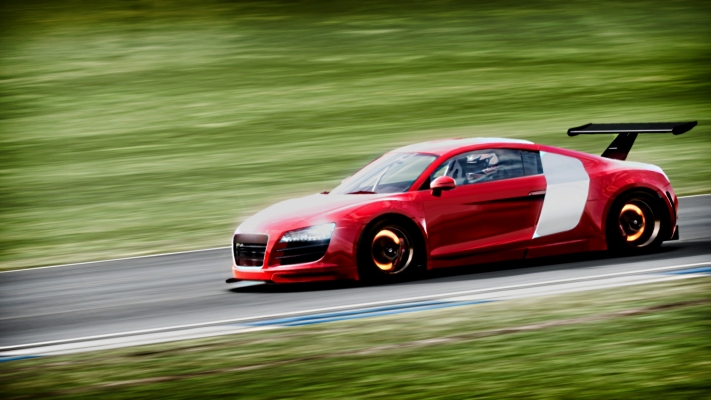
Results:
[461, 202]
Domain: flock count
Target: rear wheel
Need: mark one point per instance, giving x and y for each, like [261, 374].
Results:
[636, 223]
[389, 251]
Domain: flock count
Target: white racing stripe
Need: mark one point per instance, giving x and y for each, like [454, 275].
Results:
[489, 293]
[569, 287]
[130, 341]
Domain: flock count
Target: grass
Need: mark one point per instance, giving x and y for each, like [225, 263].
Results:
[598, 350]
[138, 127]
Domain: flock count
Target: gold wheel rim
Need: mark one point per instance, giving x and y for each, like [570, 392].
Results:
[632, 222]
[391, 251]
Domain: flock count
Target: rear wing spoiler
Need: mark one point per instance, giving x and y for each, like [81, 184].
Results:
[627, 133]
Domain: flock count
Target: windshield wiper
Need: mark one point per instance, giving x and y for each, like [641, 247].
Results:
[362, 192]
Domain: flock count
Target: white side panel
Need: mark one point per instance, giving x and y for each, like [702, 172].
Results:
[566, 194]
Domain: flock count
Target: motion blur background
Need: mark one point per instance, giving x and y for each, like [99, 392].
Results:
[136, 127]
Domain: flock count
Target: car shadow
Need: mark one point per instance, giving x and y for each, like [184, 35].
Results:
[295, 287]
[669, 250]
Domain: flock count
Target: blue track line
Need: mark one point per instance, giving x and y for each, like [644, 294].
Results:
[15, 358]
[363, 313]
[702, 270]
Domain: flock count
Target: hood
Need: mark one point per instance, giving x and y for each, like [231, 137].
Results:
[303, 212]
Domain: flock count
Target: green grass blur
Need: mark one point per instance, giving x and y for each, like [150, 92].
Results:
[662, 354]
[138, 127]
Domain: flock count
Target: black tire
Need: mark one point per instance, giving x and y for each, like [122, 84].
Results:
[637, 223]
[381, 259]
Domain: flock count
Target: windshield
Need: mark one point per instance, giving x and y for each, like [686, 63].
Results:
[391, 173]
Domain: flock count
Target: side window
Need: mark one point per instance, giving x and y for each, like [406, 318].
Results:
[483, 166]
[531, 162]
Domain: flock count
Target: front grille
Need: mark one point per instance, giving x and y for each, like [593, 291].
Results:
[249, 249]
[302, 252]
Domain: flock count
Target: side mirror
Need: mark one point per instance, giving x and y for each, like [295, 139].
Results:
[442, 183]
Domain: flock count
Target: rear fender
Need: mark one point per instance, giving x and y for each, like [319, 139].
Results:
[642, 186]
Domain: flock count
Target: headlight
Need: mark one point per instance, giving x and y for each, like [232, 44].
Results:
[311, 234]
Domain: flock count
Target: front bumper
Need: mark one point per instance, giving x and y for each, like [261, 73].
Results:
[284, 264]
[310, 272]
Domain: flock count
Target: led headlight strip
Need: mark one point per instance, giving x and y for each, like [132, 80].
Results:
[311, 234]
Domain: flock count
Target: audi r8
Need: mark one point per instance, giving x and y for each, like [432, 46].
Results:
[461, 202]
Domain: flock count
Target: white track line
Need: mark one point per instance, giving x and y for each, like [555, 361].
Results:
[353, 306]
[115, 259]
[177, 252]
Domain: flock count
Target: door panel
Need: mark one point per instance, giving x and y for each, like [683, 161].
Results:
[483, 217]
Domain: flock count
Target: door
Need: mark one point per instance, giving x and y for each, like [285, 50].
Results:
[494, 207]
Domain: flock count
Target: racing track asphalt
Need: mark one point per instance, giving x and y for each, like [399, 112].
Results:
[47, 304]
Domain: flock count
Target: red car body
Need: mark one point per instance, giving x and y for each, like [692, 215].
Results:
[509, 219]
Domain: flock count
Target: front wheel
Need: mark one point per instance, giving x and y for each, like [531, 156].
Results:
[636, 223]
[389, 251]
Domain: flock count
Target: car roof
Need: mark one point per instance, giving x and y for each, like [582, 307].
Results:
[444, 146]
